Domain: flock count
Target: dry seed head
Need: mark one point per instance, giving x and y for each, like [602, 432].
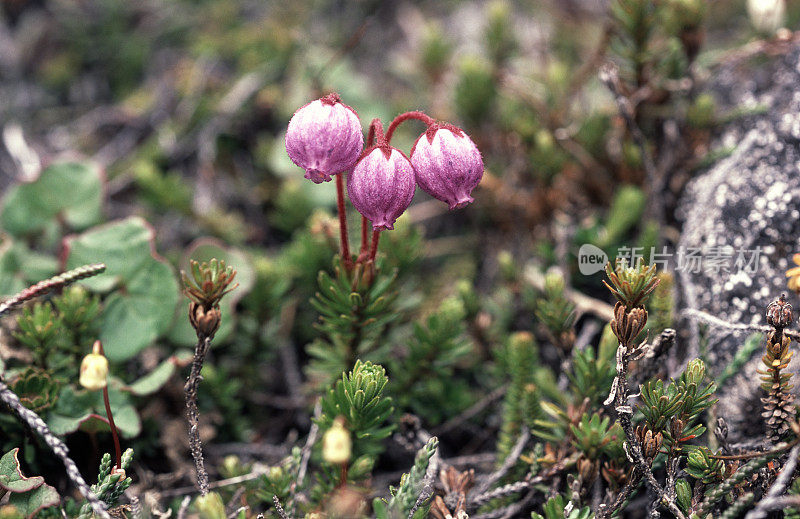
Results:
[628, 324]
[779, 313]
[651, 443]
[204, 321]
[587, 469]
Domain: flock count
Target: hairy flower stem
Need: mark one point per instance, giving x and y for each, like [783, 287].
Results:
[192, 413]
[345, 244]
[364, 252]
[37, 425]
[375, 136]
[114, 433]
[376, 235]
[374, 127]
[420, 116]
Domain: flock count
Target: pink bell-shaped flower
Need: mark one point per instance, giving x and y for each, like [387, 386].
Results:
[381, 186]
[447, 164]
[325, 138]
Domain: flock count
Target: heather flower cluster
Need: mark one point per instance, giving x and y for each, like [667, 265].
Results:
[325, 138]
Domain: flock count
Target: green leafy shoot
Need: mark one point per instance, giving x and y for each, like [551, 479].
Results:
[405, 496]
[631, 285]
[359, 398]
[210, 281]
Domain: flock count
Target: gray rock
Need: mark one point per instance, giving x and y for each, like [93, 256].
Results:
[746, 202]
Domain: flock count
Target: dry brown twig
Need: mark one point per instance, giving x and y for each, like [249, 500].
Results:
[305, 455]
[619, 397]
[716, 321]
[193, 414]
[508, 463]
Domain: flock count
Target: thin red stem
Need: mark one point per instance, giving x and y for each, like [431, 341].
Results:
[420, 116]
[371, 134]
[362, 255]
[375, 134]
[376, 234]
[97, 347]
[114, 435]
[348, 261]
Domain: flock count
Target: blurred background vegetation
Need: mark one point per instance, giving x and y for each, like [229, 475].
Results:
[158, 130]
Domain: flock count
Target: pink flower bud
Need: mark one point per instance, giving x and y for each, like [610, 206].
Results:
[325, 138]
[381, 186]
[447, 164]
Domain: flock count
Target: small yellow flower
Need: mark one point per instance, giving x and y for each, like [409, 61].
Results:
[336, 443]
[794, 275]
[94, 369]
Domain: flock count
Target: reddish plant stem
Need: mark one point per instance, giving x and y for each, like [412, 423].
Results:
[362, 255]
[348, 261]
[376, 234]
[375, 135]
[371, 133]
[420, 116]
[117, 449]
[114, 434]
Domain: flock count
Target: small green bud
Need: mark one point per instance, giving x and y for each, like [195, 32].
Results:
[468, 296]
[210, 506]
[544, 140]
[683, 491]
[275, 473]
[632, 155]
[558, 74]
[554, 283]
[701, 113]
[362, 465]
[232, 467]
[520, 344]
[508, 268]
[475, 91]
[452, 308]
[695, 371]
[435, 52]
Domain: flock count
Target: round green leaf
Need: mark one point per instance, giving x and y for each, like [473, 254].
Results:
[123, 245]
[70, 190]
[143, 306]
[31, 503]
[11, 477]
[154, 380]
